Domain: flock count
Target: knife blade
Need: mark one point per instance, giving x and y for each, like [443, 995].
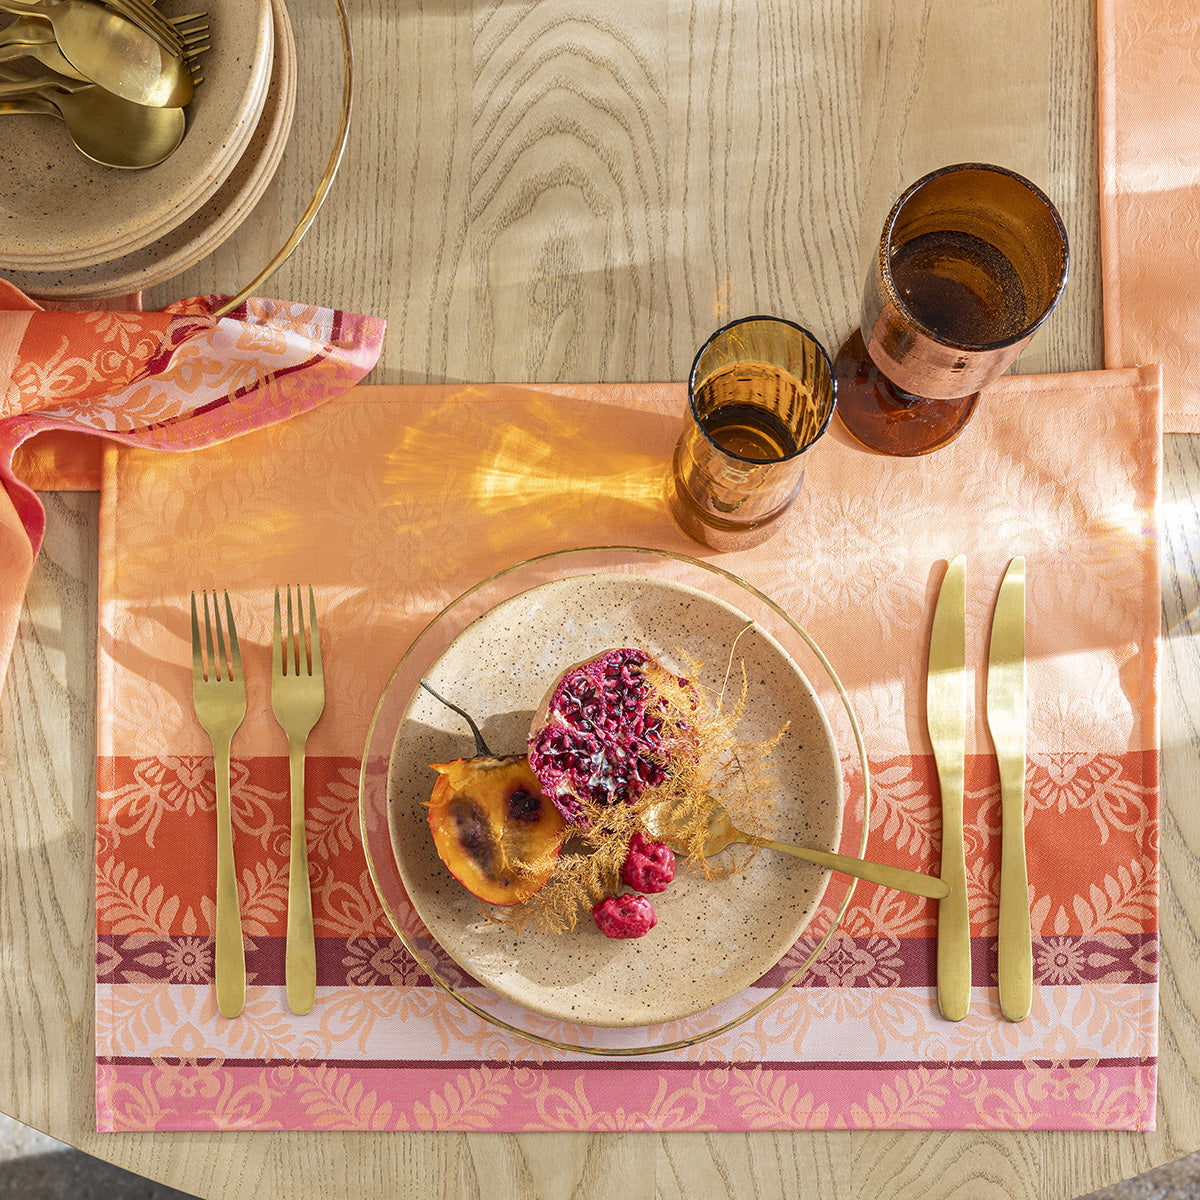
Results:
[946, 716]
[1006, 722]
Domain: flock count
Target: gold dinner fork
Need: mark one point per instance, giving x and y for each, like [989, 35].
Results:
[298, 698]
[219, 696]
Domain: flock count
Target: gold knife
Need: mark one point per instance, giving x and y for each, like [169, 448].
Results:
[1006, 721]
[946, 714]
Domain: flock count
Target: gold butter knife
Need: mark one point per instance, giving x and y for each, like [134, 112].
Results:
[1006, 721]
[946, 714]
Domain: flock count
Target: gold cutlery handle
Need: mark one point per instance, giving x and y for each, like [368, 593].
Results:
[913, 882]
[1015, 948]
[301, 966]
[230, 962]
[954, 928]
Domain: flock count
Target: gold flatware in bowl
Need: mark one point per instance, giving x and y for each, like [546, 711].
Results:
[111, 50]
[219, 697]
[33, 37]
[946, 714]
[298, 699]
[1006, 722]
[105, 128]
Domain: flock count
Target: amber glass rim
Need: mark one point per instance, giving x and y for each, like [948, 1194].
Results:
[817, 344]
[885, 265]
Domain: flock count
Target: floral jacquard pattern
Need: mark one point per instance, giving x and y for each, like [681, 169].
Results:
[1150, 200]
[410, 497]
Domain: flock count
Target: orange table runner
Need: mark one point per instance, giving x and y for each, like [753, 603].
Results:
[393, 501]
[1149, 92]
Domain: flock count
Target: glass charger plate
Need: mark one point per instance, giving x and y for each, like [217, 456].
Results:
[386, 750]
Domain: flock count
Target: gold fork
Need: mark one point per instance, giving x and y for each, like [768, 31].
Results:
[298, 698]
[219, 696]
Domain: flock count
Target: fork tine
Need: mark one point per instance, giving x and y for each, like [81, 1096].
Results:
[291, 667]
[210, 655]
[302, 667]
[314, 634]
[235, 649]
[197, 658]
[277, 641]
[222, 657]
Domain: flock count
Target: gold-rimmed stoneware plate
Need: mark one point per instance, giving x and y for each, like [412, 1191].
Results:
[59, 210]
[723, 948]
[190, 240]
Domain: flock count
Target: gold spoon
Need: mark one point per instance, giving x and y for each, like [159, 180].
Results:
[114, 52]
[31, 37]
[722, 832]
[107, 129]
[13, 88]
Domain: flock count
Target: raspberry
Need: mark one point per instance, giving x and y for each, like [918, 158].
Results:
[624, 916]
[650, 865]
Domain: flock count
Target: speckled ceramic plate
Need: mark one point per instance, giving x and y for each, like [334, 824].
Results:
[60, 210]
[714, 937]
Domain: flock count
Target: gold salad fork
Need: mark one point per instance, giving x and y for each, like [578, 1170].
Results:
[298, 699]
[219, 696]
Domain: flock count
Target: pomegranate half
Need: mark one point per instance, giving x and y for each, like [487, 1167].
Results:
[599, 737]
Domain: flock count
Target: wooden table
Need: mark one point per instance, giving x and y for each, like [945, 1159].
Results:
[534, 192]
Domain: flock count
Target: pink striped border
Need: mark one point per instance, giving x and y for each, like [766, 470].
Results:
[659, 1097]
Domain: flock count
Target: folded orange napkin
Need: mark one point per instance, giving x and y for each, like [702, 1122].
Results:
[414, 494]
[1149, 93]
[172, 380]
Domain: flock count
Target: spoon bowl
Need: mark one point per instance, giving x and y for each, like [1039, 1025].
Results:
[31, 37]
[107, 129]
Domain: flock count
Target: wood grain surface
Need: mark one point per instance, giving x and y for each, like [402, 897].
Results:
[544, 190]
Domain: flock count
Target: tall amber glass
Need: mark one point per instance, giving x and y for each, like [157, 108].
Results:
[971, 261]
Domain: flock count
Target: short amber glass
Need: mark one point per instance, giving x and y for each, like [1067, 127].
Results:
[761, 392]
[971, 261]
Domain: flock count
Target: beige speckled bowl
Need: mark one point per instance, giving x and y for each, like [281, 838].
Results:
[188, 242]
[59, 210]
[714, 937]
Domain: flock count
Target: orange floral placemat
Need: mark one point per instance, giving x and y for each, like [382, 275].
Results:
[396, 499]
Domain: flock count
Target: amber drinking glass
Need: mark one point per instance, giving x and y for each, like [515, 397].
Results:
[971, 261]
[761, 392]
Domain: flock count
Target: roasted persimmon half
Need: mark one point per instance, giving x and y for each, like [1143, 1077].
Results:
[498, 835]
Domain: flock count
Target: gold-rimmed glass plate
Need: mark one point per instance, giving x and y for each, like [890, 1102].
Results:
[541, 986]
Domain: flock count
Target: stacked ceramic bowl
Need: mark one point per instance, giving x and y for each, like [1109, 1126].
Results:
[73, 230]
